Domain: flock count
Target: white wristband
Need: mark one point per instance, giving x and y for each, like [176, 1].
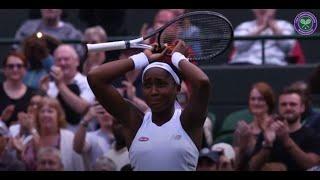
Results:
[139, 60]
[176, 58]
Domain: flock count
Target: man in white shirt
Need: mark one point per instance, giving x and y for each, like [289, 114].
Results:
[69, 85]
[250, 52]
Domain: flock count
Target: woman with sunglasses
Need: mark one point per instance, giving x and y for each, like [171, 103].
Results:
[15, 95]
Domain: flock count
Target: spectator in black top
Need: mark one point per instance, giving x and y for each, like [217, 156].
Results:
[310, 116]
[15, 95]
[286, 140]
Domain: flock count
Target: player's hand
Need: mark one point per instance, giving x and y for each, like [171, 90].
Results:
[181, 47]
[156, 53]
[57, 74]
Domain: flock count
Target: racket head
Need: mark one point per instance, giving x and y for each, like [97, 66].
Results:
[206, 33]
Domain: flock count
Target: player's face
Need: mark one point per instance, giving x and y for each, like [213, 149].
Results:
[159, 89]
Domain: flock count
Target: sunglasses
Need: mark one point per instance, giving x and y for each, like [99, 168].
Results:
[18, 66]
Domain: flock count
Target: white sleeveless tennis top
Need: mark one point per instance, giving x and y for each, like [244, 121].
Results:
[163, 148]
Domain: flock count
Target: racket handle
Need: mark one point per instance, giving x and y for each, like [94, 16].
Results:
[110, 46]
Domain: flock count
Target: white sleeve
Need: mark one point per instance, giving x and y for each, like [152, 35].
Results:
[88, 142]
[52, 90]
[243, 29]
[85, 91]
[287, 29]
[13, 129]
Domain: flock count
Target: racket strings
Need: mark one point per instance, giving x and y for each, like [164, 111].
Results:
[206, 35]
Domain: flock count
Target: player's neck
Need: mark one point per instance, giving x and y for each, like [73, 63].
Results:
[160, 118]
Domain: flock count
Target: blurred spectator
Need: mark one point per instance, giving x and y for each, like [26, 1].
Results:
[285, 140]
[129, 85]
[274, 166]
[9, 160]
[126, 168]
[170, 35]
[265, 23]
[39, 57]
[25, 128]
[15, 95]
[94, 35]
[50, 23]
[119, 152]
[69, 86]
[50, 124]
[104, 164]
[49, 159]
[179, 12]
[227, 150]
[161, 18]
[133, 77]
[220, 157]
[261, 105]
[94, 144]
[33, 106]
[310, 117]
[129, 92]
[315, 168]
[189, 30]
[208, 160]
[183, 99]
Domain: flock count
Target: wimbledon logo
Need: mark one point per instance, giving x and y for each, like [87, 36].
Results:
[305, 23]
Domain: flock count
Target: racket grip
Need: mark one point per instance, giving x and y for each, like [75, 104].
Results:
[110, 46]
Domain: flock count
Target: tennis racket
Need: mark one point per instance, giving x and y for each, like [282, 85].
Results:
[206, 33]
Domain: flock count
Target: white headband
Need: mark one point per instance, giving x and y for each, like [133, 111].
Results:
[165, 67]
